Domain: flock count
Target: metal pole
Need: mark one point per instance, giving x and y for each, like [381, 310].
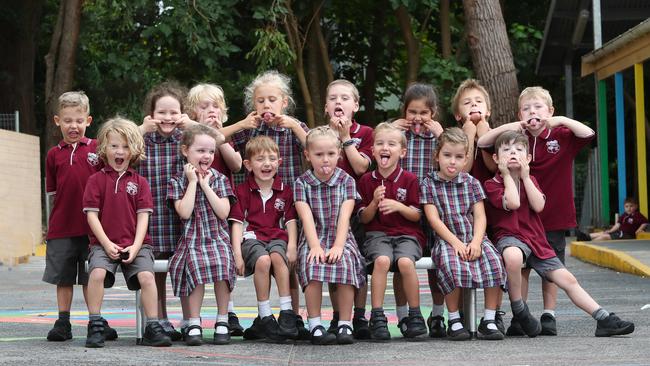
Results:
[17, 118]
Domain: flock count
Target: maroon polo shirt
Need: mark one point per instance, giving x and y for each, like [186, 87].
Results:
[362, 136]
[401, 186]
[630, 223]
[118, 201]
[479, 170]
[67, 169]
[265, 221]
[553, 152]
[220, 165]
[523, 223]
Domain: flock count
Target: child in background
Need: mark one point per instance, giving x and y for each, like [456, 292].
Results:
[514, 203]
[420, 105]
[67, 168]
[117, 202]
[555, 142]
[629, 224]
[390, 209]
[162, 130]
[264, 237]
[341, 102]
[324, 197]
[206, 104]
[464, 256]
[201, 196]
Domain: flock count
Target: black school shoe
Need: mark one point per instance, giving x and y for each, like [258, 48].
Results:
[221, 339]
[255, 331]
[110, 334]
[498, 320]
[379, 327]
[613, 325]
[461, 334]
[528, 323]
[270, 330]
[287, 324]
[489, 334]
[236, 330]
[361, 330]
[549, 327]
[95, 337]
[334, 325]
[413, 326]
[436, 325]
[61, 331]
[303, 333]
[171, 332]
[194, 340]
[344, 334]
[155, 336]
[326, 338]
[581, 236]
[514, 330]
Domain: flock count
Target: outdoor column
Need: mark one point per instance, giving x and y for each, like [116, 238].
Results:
[640, 139]
[602, 150]
[620, 139]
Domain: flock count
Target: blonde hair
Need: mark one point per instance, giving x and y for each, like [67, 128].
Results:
[210, 91]
[74, 99]
[322, 131]
[129, 131]
[536, 92]
[452, 135]
[260, 144]
[190, 133]
[272, 78]
[507, 137]
[389, 127]
[343, 82]
[466, 85]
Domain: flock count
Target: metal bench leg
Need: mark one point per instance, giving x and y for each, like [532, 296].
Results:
[469, 308]
[140, 318]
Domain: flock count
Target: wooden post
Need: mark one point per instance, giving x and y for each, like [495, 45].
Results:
[641, 161]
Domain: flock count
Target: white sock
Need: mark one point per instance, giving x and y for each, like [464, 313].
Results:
[452, 316]
[402, 311]
[231, 306]
[264, 308]
[437, 310]
[313, 323]
[490, 315]
[194, 321]
[549, 311]
[285, 302]
[185, 323]
[221, 329]
[345, 322]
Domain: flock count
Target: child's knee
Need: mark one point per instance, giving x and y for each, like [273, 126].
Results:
[277, 260]
[405, 265]
[97, 275]
[263, 264]
[382, 263]
[146, 279]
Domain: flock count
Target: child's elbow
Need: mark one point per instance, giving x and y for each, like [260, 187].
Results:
[513, 205]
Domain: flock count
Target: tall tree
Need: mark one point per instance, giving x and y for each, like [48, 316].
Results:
[60, 61]
[445, 29]
[411, 41]
[492, 57]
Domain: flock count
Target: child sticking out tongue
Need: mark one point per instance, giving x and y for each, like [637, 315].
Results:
[326, 170]
[268, 117]
[475, 117]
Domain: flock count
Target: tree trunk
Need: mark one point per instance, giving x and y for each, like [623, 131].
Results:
[368, 91]
[17, 62]
[445, 29]
[412, 44]
[322, 44]
[60, 62]
[492, 57]
[315, 76]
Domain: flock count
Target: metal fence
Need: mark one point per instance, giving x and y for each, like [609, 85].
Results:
[10, 121]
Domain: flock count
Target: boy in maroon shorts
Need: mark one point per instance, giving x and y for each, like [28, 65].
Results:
[68, 166]
[117, 202]
[514, 203]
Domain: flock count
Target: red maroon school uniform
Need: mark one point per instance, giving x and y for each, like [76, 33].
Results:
[362, 137]
[630, 223]
[553, 153]
[523, 223]
[67, 169]
[220, 165]
[401, 186]
[265, 221]
[118, 199]
[479, 170]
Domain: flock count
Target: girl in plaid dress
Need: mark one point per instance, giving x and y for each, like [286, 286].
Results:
[327, 252]
[201, 197]
[464, 256]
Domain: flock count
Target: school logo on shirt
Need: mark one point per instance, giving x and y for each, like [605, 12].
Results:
[132, 188]
[401, 194]
[93, 159]
[553, 146]
[279, 204]
[630, 220]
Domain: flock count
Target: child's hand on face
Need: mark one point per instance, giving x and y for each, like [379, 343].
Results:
[251, 122]
[284, 121]
[334, 254]
[434, 127]
[525, 168]
[469, 127]
[184, 121]
[239, 265]
[380, 193]
[150, 124]
[190, 173]
[503, 165]
[342, 125]
[552, 122]
[211, 121]
[473, 251]
[402, 124]
[388, 206]
[316, 255]
[204, 179]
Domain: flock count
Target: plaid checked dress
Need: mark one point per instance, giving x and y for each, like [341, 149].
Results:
[454, 201]
[162, 163]
[290, 148]
[325, 199]
[203, 254]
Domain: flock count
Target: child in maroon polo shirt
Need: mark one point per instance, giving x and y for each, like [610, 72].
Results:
[630, 223]
[117, 202]
[67, 169]
[341, 102]
[514, 203]
[264, 237]
[390, 211]
[554, 143]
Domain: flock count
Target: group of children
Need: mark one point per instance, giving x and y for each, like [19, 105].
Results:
[371, 202]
